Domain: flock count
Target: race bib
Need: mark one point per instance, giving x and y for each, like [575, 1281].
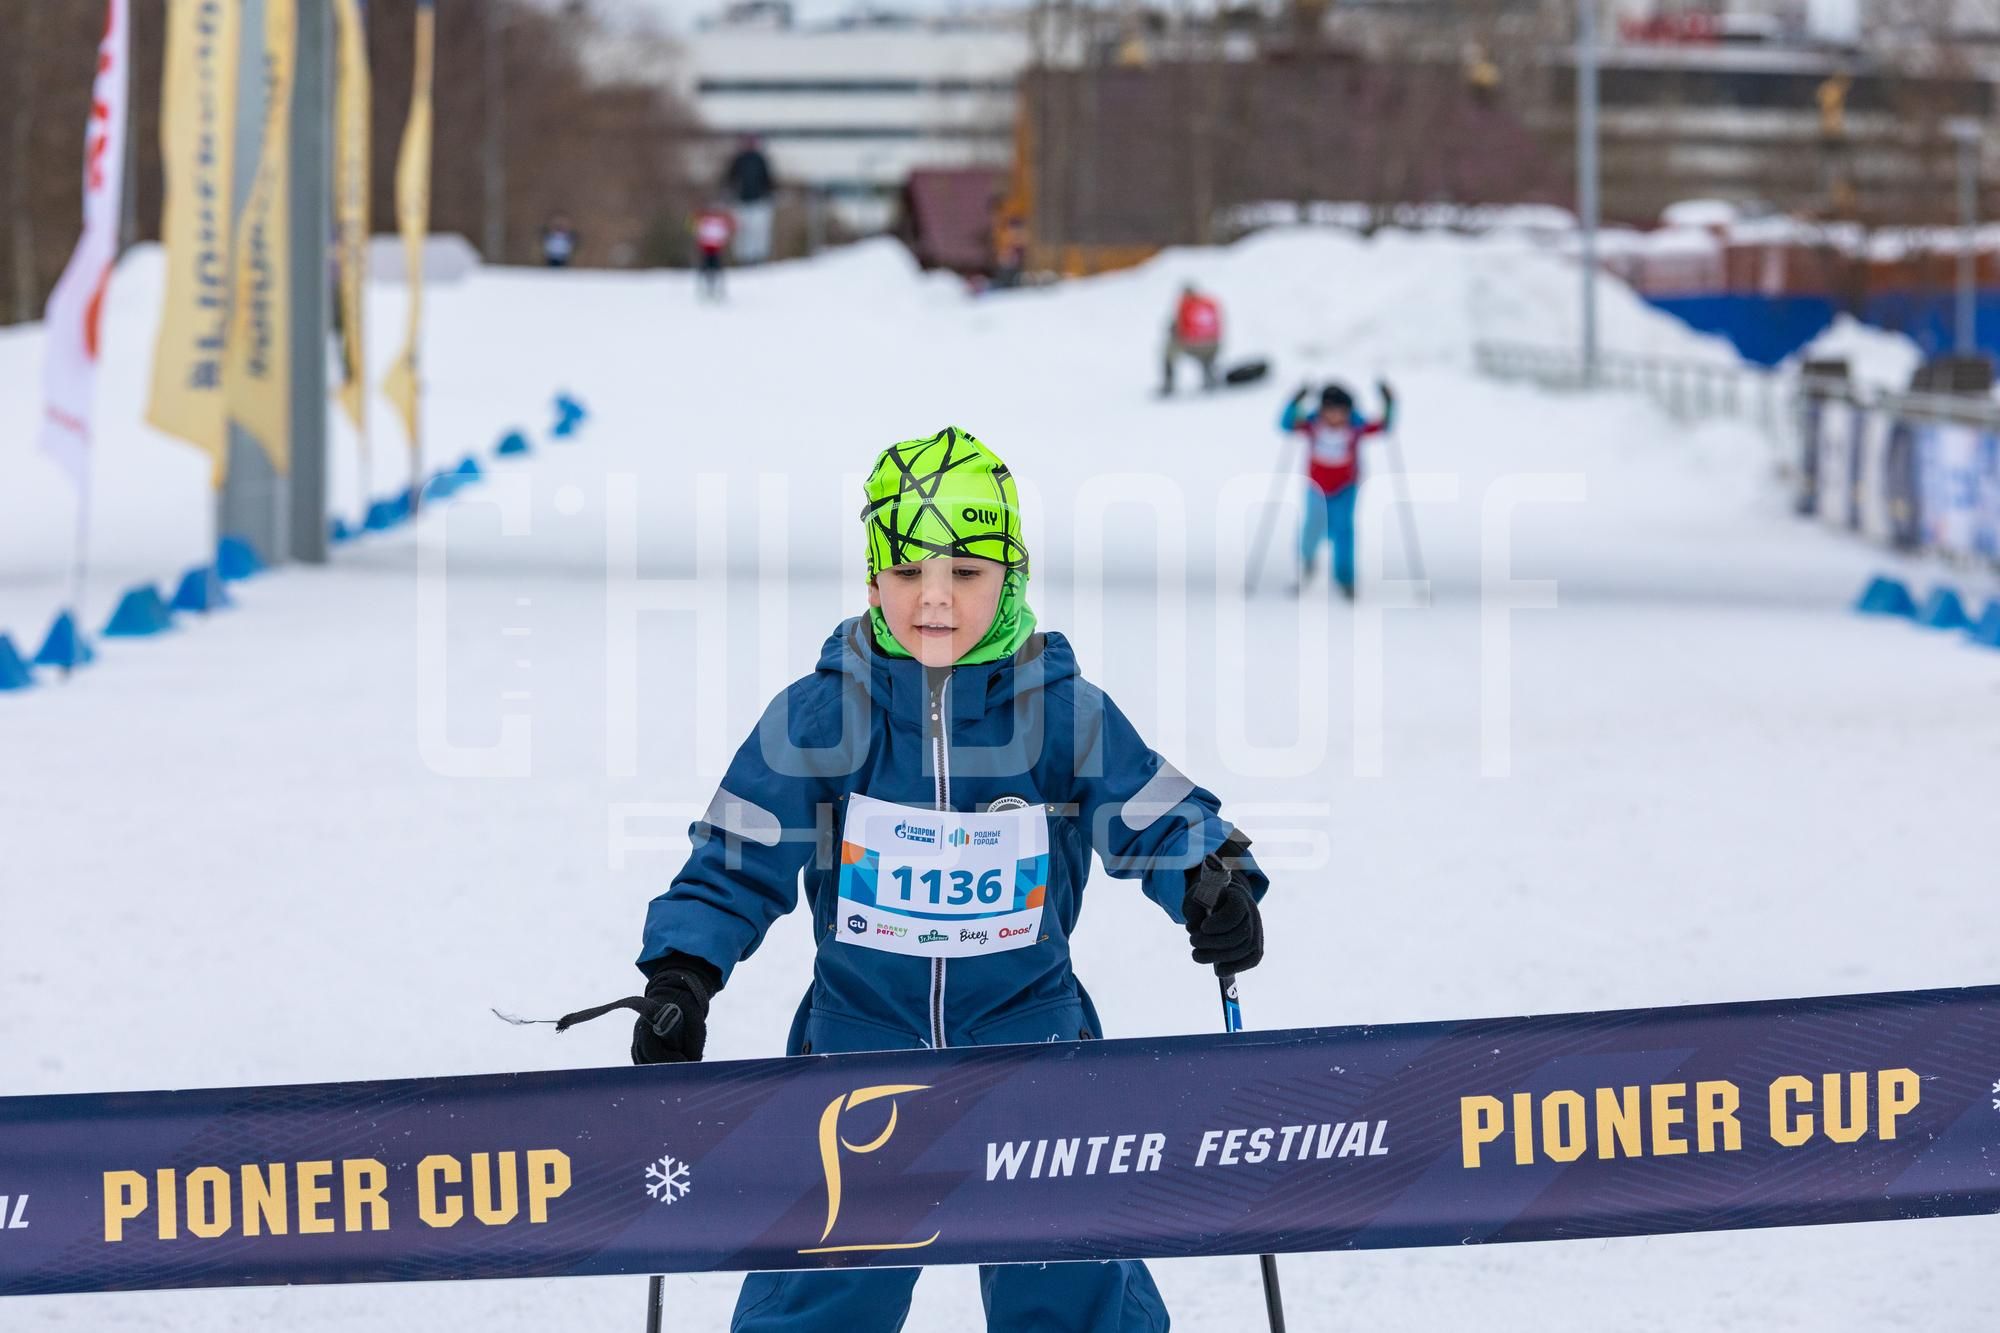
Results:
[940, 884]
[1333, 445]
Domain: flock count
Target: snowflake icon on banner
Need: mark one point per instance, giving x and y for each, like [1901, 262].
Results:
[668, 1180]
[1996, 1100]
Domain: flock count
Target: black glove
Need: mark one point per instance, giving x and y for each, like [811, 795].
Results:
[1229, 934]
[675, 1026]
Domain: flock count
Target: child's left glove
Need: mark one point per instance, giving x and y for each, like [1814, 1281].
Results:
[1223, 921]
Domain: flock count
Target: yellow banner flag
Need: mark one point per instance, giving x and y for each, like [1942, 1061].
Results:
[257, 369]
[413, 215]
[351, 135]
[197, 160]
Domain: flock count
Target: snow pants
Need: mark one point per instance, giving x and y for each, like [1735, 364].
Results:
[1058, 1298]
[1329, 518]
[1204, 354]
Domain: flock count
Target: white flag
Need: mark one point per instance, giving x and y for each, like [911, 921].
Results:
[74, 320]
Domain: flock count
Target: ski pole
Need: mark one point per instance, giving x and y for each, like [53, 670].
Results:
[656, 1301]
[1413, 554]
[1208, 892]
[1262, 540]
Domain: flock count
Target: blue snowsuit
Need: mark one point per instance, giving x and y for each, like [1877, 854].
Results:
[1028, 727]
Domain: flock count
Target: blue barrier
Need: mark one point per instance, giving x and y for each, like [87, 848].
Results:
[201, 590]
[337, 531]
[14, 673]
[1886, 596]
[236, 560]
[141, 613]
[1764, 329]
[468, 469]
[1767, 329]
[63, 647]
[382, 516]
[512, 445]
[1944, 610]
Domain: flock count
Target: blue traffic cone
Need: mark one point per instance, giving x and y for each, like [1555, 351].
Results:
[1944, 610]
[14, 673]
[381, 516]
[1886, 597]
[468, 469]
[236, 560]
[1987, 629]
[64, 648]
[511, 444]
[201, 590]
[141, 613]
[337, 531]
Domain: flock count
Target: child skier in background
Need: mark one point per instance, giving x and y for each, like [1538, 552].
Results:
[1333, 431]
[944, 669]
[713, 228]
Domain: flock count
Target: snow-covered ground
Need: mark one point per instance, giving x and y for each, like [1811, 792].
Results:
[317, 836]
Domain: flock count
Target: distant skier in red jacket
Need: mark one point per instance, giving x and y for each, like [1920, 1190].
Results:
[713, 228]
[1196, 331]
[1334, 431]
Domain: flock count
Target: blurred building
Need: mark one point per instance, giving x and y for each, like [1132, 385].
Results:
[849, 108]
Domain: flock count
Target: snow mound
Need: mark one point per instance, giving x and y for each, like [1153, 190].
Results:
[1876, 358]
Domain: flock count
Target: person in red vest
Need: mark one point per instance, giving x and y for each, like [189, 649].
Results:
[713, 228]
[1196, 331]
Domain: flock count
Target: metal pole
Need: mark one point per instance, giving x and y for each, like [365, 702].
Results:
[1968, 218]
[1586, 176]
[20, 170]
[312, 212]
[252, 504]
[494, 168]
[656, 1303]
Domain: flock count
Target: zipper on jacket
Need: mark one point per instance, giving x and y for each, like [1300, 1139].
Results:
[941, 764]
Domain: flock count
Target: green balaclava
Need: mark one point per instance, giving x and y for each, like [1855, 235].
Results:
[949, 496]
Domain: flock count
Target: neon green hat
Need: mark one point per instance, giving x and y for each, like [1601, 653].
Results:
[949, 495]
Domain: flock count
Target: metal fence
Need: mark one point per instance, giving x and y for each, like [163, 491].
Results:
[1917, 472]
[1689, 389]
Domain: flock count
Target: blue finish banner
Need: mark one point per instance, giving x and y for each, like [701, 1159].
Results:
[1620, 1123]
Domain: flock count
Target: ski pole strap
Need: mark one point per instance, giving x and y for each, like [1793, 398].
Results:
[663, 1016]
[1211, 877]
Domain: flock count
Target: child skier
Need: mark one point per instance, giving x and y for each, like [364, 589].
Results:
[1334, 432]
[942, 706]
[713, 227]
[713, 231]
